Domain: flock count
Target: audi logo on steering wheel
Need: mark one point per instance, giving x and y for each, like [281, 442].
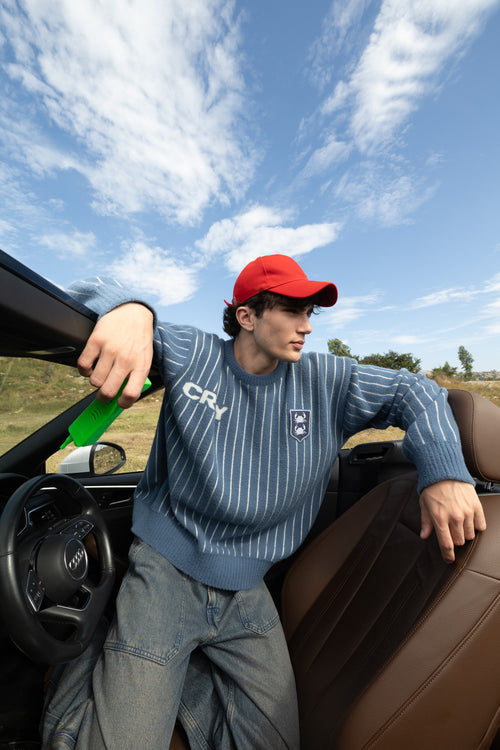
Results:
[75, 558]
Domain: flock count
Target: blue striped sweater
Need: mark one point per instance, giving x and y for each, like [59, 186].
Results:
[240, 462]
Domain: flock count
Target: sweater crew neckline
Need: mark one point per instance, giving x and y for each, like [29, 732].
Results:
[248, 377]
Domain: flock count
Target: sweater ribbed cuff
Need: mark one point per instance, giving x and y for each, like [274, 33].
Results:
[436, 463]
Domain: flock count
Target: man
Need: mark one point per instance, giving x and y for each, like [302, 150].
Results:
[249, 430]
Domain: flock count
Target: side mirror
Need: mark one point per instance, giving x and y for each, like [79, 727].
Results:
[95, 460]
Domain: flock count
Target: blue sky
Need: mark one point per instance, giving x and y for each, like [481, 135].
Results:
[167, 143]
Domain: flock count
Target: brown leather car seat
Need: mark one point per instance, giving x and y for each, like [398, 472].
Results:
[392, 648]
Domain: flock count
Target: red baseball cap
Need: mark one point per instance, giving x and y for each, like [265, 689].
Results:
[282, 275]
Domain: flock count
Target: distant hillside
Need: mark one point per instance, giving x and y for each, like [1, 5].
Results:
[490, 375]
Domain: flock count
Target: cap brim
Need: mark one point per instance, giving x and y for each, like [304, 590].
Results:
[326, 293]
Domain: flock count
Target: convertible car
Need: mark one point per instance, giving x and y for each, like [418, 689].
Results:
[392, 648]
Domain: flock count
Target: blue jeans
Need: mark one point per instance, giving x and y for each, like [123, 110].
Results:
[217, 660]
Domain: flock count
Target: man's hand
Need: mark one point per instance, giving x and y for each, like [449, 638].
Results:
[120, 346]
[454, 510]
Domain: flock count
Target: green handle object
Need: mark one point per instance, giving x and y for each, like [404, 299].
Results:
[95, 419]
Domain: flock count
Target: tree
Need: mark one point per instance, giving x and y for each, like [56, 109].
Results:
[393, 360]
[446, 371]
[466, 360]
[339, 349]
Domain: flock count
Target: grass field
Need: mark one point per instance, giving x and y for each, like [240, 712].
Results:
[134, 430]
[33, 392]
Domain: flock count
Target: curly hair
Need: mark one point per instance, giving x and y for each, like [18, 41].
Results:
[260, 302]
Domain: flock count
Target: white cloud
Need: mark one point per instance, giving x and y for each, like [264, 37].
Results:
[493, 307]
[333, 152]
[491, 313]
[28, 221]
[261, 231]
[373, 90]
[152, 92]
[493, 284]
[6, 229]
[441, 297]
[407, 340]
[349, 309]
[412, 41]
[337, 100]
[383, 195]
[17, 203]
[343, 16]
[72, 245]
[460, 294]
[153, 270]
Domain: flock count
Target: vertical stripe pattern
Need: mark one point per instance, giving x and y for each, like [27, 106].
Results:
[228, 489]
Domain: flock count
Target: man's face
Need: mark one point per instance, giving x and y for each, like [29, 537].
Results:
[280, 332]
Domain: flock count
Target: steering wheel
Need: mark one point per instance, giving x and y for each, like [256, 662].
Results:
[53, 594]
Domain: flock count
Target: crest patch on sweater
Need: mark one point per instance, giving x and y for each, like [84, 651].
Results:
[300, 423]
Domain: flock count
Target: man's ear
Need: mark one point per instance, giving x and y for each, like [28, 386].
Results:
[245, 317]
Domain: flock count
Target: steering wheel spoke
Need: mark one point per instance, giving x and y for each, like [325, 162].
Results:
[59, 614]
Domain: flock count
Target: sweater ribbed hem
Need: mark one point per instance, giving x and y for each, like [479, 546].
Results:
[170, 539]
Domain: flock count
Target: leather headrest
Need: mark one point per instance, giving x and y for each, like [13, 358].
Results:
[478, 421]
